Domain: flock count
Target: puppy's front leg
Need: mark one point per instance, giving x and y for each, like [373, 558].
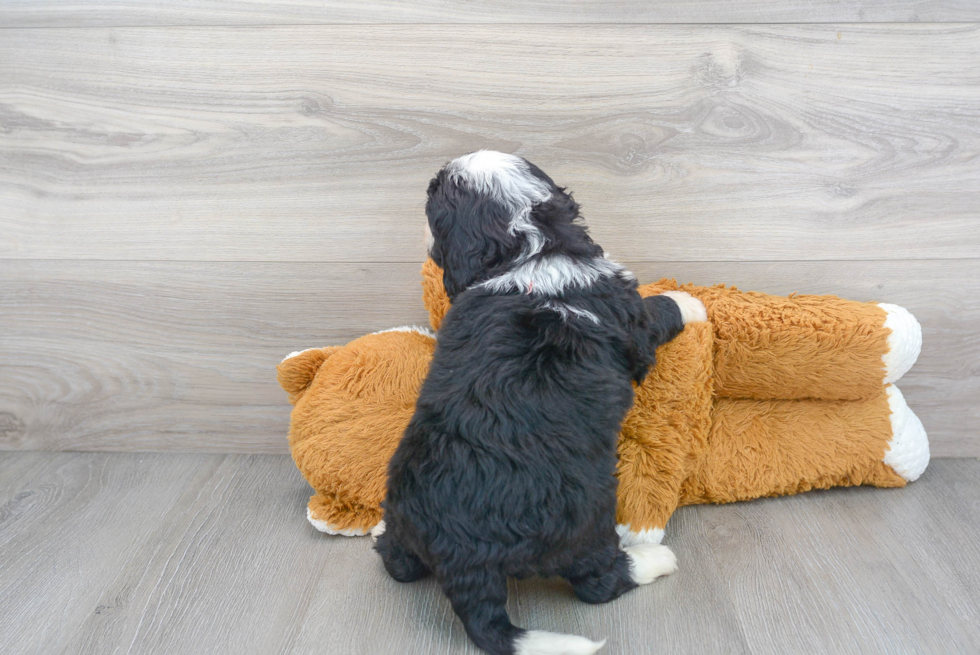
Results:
[670, 311]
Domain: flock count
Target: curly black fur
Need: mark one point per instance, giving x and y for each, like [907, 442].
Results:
[507, 467]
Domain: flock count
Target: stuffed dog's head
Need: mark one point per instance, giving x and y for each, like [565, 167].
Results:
[489, 211]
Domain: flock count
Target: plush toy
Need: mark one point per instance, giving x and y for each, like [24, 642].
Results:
[772, 395]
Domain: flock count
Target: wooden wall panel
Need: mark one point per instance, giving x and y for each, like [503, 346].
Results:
[181, 356]
[52, 13]
[180, 207]
[684, 143]
[174, 356]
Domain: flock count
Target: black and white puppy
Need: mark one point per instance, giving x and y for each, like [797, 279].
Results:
[508, 465]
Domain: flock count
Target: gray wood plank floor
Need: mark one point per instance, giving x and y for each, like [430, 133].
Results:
[153, 553]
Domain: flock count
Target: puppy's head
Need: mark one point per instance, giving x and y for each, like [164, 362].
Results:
[490, 210]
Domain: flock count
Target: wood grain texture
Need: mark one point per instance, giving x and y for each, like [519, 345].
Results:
[67, 13]
[155, 553]
[181, 356]
[683, 142]
[69, 524]
[869, 554]
[233, 573]
[160, 356]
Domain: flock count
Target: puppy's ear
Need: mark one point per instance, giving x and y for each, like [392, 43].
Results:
[560, 209]
[557, 219]
[470, 234]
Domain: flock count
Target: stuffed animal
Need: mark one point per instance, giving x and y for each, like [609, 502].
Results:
[772, 395]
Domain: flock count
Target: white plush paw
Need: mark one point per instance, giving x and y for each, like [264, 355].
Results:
[539, 642]
[628, 537]
[650, 561]
[323, 526]
[904, 341]
[908, 450]
[692, 309]
[378, 530]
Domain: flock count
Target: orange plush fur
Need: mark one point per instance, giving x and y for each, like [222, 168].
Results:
[771, 396]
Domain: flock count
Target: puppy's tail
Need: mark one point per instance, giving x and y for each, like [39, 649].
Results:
[537, 642]
[479, 597]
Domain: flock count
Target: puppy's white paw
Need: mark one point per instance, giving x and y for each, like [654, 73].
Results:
[378, 530]
[692, 309]
[539, 642]
[650, 561]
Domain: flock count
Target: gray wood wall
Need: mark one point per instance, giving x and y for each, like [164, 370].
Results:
[189, 191]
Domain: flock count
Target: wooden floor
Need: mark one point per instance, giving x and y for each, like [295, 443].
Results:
[190, 553]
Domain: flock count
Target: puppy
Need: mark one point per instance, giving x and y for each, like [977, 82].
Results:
[507, 467]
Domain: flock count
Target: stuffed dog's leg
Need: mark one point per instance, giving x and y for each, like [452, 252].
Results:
[775, 447]
[664, 433]
[806, 346]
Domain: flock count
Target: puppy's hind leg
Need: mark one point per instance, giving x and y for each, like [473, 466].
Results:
[605, 576]
[479, 596]
[401, 564]
[611, 572]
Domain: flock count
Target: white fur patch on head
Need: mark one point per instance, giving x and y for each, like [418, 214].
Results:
[323, 526]
[650, 561]
[508, 180]
[692, 309]
[904, 342]
[628, 537]
[549, 276]
[539, 642]
[908, 450]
